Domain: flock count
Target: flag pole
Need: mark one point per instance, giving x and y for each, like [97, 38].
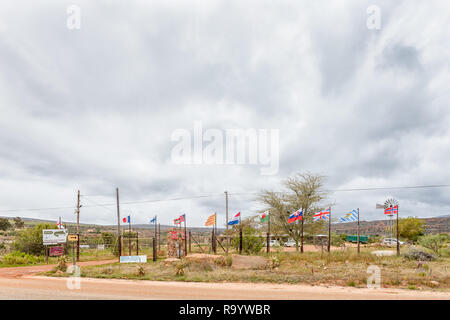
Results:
[329, 233]
[240, 234]
[301, 236]
[156, 223]
[185, 236]
[268, 232]
[358, 233]
[398, 233]
[129, 234]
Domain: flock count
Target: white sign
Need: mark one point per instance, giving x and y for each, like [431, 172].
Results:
[54, 236]
[133, 259]
[101, 247]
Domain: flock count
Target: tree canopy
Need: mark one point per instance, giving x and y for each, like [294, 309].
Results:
[303, 192]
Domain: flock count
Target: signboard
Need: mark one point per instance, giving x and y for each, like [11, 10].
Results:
[72, 237]
[133, 259]
[101, 247]
[56, 251]
[54, 236]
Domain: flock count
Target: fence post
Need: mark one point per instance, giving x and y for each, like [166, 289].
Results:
[240, 241]
[190, 235]
[137, 243]
[154, 250]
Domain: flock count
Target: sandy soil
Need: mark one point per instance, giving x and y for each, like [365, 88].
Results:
[20, 283]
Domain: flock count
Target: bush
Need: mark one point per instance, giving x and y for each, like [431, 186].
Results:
[4, 224]
[62, 264]
[141, 270]
[274, 262]
[18, 257]
[252, 241]
[180, 268]
[30, 240]
[433, 242]
[419, 255]
[337, 240]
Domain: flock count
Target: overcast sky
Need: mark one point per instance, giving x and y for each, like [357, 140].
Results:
[94, 108]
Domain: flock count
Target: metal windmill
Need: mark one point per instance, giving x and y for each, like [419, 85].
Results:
[390, 203]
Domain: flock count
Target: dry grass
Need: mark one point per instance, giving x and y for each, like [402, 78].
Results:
[339, 268]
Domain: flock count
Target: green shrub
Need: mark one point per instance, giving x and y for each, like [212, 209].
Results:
[252, 241]
[433, 242]
[18, 257]
[30, 240]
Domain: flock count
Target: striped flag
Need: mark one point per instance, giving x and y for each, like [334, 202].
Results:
[235, 219]
[391, 210]
[211, 220]
[322, 215]
[297, 215]
[349, 217]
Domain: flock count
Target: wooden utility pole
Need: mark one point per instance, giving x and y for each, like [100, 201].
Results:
[119, 238]
[329, 233]
[358, 233]
[398, 232]
[78, 226]
[215, 234]
[159, 236]
[129, 236]
[156, 223]
[226, 217]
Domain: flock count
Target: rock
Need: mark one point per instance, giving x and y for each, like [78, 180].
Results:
[201, 257]
[171, 261]
[59, 273]
[419, 255]
[381, 253]
[434, 283]
[248, 262]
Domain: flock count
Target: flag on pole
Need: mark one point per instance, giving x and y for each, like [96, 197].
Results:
[264, 216]
[322, 215]
[59, 224]
[126, 220]
[153, 220]
[349, 217]
[391, 210]
[235, 219]
[297, 215]
[211, 220]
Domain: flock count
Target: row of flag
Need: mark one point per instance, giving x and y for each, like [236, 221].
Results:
[351, 216]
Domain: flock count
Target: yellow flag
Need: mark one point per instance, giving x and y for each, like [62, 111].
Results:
[211, 220]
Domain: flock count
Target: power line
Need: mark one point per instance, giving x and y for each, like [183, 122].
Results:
[217, 195]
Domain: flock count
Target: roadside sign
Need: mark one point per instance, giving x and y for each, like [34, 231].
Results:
[133, 259]
[56, 251]
[72, 237]
[54, 236]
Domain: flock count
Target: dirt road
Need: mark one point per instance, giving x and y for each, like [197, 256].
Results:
[19, 283]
